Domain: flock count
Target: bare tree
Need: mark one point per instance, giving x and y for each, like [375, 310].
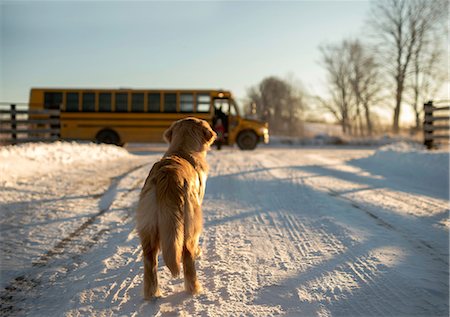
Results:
[336, 60]
[429, 72]
[354, 85]
[399, 25]
[295, 105]
[254, 105]
[279, 102]
[365, 81]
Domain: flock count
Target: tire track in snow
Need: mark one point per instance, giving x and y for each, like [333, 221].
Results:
[365, 275]
[313, 243]
[106, 200]
[75, 241]
[337, 180]
[231, 273]
[389, 199]
[421, 245]
[295, 245]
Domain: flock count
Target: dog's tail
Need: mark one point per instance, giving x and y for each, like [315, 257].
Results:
[170, 199]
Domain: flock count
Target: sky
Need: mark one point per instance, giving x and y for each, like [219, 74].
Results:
[230, 45]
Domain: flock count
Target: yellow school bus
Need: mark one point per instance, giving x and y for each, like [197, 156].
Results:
[119, 116]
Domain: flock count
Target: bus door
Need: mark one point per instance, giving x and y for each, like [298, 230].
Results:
[233, 116]
[221, 110]
[225, 110]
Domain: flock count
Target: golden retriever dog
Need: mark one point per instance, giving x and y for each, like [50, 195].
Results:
[169, 214]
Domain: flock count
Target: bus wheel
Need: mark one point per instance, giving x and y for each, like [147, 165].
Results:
[108, 137]
[247, 140]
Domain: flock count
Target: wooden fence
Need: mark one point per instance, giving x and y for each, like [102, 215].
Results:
[19, 124]
[436, 124]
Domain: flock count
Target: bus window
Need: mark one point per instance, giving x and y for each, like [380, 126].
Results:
[104, 102]
[121, 102]
[154, 102]
[137, 102]
[234, 109]
[72, 101]
[52, 100]
[203, 103]
[187, 103]
[170, 102]
[88, 104]
[222, 105]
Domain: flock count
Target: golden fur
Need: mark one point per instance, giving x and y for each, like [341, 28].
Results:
[169, 214]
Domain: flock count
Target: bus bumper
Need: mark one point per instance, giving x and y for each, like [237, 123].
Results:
[264, 138]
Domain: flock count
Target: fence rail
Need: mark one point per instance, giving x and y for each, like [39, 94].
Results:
[19, 124]
[435, 127]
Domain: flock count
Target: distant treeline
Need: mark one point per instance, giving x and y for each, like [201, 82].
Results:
[401, 61]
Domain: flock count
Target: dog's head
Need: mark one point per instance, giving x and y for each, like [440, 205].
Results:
[191, 134]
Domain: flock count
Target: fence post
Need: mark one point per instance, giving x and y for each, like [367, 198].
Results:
[428, 125]
[13, 124]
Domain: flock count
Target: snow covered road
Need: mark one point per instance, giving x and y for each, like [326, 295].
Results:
[287, 231]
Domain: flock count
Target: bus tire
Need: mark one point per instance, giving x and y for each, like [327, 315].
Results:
[247, 140]
[108, 136]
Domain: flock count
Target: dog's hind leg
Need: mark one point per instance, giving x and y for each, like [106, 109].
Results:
[150, 248]
[193, 228]
[191, 283]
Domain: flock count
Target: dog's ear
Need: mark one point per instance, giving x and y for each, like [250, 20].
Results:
[168, 134]
[209, 135]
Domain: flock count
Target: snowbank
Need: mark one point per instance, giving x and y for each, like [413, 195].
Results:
[17, 161]
[415, 159]
[411, 162]
[324, 139]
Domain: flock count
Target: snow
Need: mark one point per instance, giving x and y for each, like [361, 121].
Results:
[30, 158]
[329, 231]
[413, 163]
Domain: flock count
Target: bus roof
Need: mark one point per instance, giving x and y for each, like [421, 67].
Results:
[124, 89]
